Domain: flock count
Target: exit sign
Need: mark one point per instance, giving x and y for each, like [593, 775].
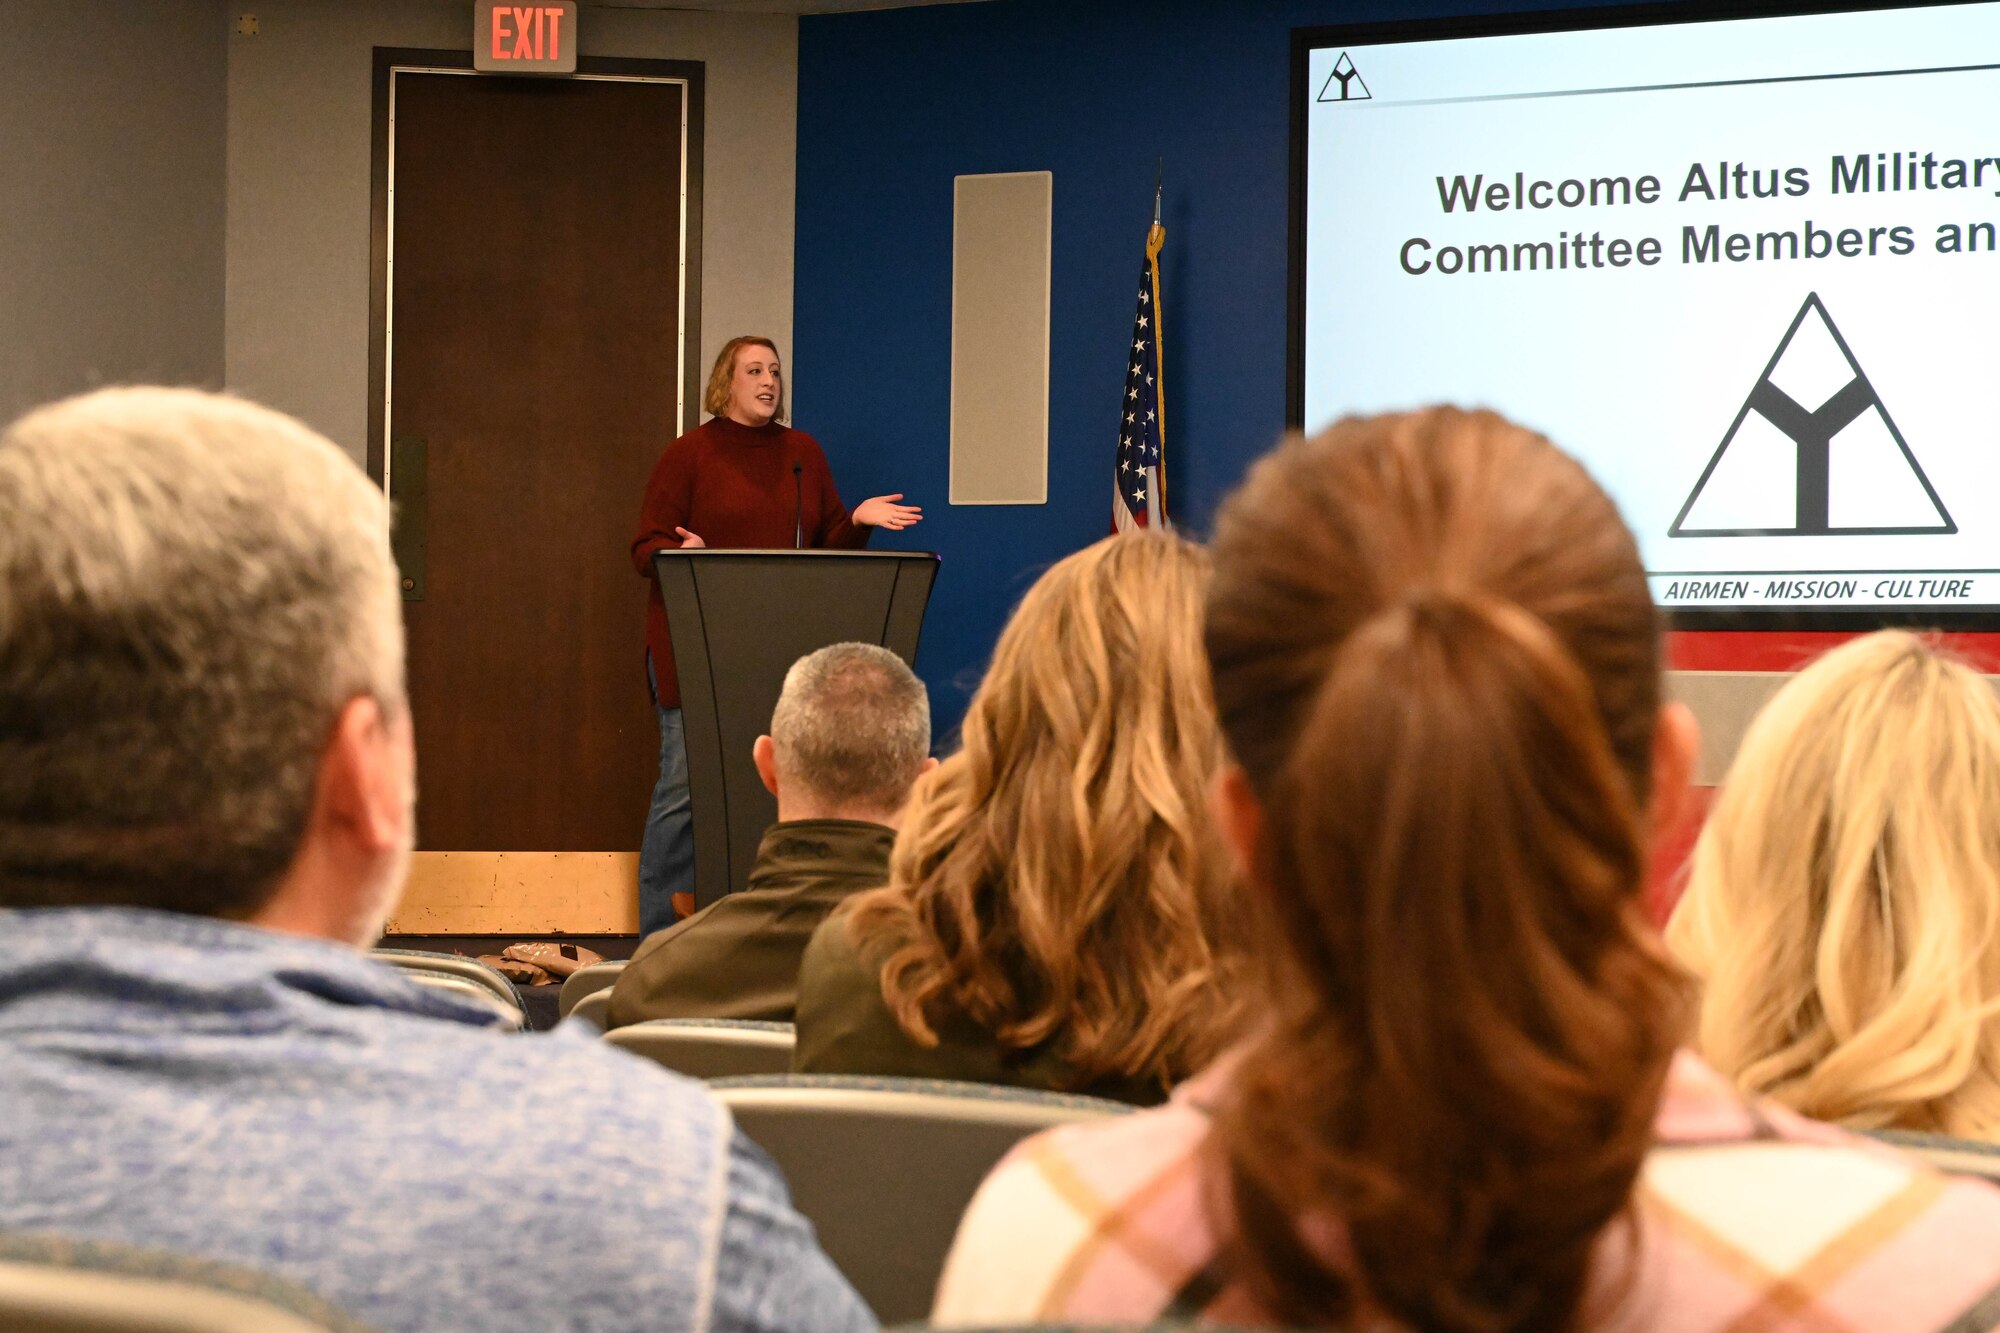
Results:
[524, 39]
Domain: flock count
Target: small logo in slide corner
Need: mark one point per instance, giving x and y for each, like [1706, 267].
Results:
[1344, 84]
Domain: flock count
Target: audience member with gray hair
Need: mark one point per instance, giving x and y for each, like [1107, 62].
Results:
[849, 736]
[207, 790]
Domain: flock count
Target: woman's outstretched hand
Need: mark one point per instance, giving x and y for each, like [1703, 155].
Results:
[883, 511]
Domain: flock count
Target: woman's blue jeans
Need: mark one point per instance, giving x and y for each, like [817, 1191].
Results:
[666, 854]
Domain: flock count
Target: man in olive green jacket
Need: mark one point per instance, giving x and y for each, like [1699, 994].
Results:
[850, 735]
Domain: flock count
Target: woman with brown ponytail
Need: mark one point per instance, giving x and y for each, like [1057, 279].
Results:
[1437, 669]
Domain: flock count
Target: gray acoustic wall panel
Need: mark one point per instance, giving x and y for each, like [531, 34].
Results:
[1725, 703]
[1000, 339]
[112, 169]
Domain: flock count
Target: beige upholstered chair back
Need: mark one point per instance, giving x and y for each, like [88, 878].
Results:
[591, 1008]
[1958, 1157]
[884, 1167]
[587, 981]
[467, 978]
[1164, 1326]
[51, 1284]
[710, 1047]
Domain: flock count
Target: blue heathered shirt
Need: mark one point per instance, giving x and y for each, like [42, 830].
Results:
[291, 1106]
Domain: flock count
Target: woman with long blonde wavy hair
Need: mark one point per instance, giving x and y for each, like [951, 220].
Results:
[1053, 904]
[1843, 908]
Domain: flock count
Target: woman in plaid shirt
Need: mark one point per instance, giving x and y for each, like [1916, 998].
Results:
[1437, 665]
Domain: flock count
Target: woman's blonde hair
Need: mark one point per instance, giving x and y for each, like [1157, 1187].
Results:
[715, 398]
[1058, 880]
[1844, 904]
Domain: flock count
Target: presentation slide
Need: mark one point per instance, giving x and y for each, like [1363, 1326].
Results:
[1746, 270]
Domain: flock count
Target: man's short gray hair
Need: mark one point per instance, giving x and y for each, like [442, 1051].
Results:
[191, 589]
[853, 726]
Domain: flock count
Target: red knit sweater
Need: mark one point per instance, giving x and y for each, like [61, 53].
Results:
[731, 485]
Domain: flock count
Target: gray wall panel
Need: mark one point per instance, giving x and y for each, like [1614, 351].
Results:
[1000, 266]
[112, 169]
[1723, 703]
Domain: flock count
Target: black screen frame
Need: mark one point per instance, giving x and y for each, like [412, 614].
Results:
[1306, 40]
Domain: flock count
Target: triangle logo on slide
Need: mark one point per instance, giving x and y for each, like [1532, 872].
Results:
[1813, 452]
[1350, 87]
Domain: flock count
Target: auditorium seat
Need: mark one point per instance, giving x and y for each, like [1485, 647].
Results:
[51, 1284]
[710, 1047]
[592, 1008]
[884, 1167]
[466, 977]
[1960, 1157]
[587, 981]
[1165, 1326]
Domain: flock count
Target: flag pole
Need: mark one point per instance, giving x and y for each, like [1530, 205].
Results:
[1156, 238]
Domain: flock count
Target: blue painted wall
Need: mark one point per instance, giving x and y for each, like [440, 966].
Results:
[893, 104]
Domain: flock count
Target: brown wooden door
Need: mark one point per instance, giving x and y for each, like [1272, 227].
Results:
[534, 349]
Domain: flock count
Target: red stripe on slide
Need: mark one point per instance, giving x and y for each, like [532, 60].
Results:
[1788, 650]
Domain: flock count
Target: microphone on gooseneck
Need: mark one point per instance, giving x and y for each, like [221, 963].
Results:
[799, 508]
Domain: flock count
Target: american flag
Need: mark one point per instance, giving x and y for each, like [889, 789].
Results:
[1139, 486]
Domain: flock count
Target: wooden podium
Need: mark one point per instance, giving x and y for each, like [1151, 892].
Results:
[739, 620]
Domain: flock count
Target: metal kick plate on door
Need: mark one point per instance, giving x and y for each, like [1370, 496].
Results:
[409, 498]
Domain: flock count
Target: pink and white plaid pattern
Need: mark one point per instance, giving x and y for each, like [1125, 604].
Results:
[1751, 1218]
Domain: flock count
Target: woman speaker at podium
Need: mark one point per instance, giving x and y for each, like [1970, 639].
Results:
[743, 479]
